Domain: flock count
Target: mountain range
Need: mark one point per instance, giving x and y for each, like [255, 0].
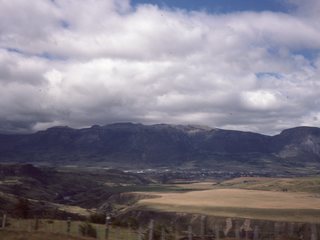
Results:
[163, 145]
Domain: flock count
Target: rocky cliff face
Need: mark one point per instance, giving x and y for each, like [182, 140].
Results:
[160, 145]
[298, 142]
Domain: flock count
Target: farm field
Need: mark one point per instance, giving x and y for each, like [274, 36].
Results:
[244, 203]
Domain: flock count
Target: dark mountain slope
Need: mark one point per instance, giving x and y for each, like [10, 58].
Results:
[137, 145]
[227, 141]
[299, 142]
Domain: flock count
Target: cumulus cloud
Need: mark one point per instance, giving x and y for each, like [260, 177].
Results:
[88, 62]
[260, 100]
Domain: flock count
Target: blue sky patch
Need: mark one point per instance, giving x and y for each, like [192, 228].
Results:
[268, 74]
[220, 6]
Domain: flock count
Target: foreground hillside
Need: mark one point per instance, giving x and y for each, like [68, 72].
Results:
[54, 192]
[21, 235]
[137, 145]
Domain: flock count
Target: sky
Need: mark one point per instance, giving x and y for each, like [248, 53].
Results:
[235, 64]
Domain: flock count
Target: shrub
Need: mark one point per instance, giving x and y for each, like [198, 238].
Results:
[86, 229]
[22, 208]
[98, 218]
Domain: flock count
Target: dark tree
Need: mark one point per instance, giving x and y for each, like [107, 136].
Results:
[22, 208]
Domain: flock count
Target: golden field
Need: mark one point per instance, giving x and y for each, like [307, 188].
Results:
[235, 202]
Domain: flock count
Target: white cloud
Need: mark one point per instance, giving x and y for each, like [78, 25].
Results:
[260, 100]
[85, 62]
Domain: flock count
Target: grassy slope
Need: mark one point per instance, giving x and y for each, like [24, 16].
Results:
[14, 235]
[21, 229]
[303, 184]
[307, 184]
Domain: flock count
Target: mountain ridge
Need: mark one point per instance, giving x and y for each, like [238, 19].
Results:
[163, 145]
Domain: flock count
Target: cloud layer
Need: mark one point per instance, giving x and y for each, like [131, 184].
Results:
[78, 63]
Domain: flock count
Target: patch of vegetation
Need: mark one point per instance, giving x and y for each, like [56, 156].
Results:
[153, 188]
[86, 229]
[98, 218]
[22, 208]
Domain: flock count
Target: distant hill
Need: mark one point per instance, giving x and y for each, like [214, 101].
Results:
[137, 145]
